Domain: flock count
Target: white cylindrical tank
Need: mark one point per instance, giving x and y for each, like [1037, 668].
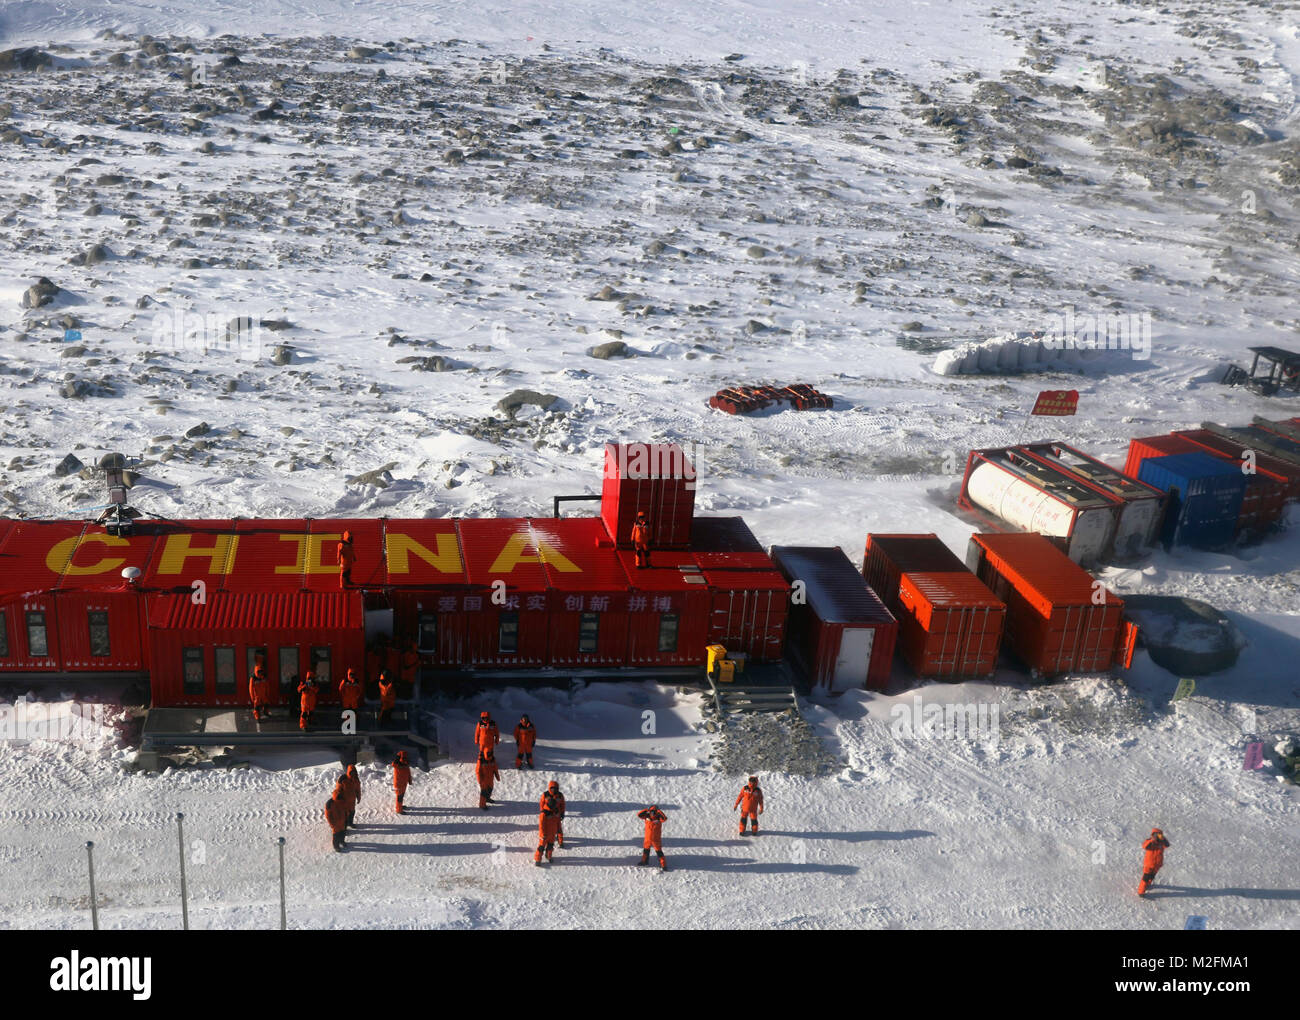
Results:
[1087, 531]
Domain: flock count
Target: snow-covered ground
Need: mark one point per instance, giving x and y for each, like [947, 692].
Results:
[427, 225]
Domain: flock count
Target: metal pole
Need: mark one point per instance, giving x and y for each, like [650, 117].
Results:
[180, 835]
[94, 908]
[283, 920]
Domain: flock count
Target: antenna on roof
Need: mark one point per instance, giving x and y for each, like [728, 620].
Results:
[117, 518]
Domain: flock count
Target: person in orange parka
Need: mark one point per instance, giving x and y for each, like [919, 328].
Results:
[401, 778]
[641, 539]
[654, 826]
[409, 666]
[750, 802]
[343, 794]
[347, 558]
[548, 823]
[351, 692]
[1153, 859]
[486, 734]
[553, 790]
[354, 786]
[387, 697]
[306, 700]
[338, 820]
[487, 774]
[525, 738]
[259, 692]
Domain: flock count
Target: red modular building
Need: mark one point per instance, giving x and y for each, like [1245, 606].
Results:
[208, 600]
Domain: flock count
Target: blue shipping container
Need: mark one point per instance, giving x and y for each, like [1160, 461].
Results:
[1205, 494]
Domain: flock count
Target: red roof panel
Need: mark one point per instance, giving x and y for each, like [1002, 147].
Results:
[273, 556]
[423, 552]
[261, 611]
[502, 549]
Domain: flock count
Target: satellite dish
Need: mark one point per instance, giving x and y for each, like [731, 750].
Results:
[132, 574]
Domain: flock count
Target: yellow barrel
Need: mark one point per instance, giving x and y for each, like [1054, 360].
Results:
[716, 654]
[726, 671]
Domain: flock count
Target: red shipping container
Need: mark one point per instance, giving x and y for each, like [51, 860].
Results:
[839, 632]
[747, 610]
[1058, 619]
[950, 624]
[656, 478]
[888, 557]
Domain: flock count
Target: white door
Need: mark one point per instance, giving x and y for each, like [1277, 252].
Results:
[853, 659]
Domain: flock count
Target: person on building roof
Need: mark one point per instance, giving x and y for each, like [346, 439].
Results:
[347, 558]
[641, 539]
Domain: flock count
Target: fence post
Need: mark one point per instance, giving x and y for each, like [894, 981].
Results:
[94, 907]
[180, 835]
[284, 920]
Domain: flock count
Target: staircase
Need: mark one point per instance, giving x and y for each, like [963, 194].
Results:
[762, 690]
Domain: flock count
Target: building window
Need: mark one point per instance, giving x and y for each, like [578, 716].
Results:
[99, 640]
[195, 679]
[4, 635]
[428, 632]
[289, 669]
[668, 632]
[38, 646]
[320, 663]
[508, 633]
[588, 633]
[225, 660]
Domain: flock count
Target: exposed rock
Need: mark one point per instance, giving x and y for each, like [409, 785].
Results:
[39, 294]
[69, 465]
[611, 349]
[26, 58]
[511, 403]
